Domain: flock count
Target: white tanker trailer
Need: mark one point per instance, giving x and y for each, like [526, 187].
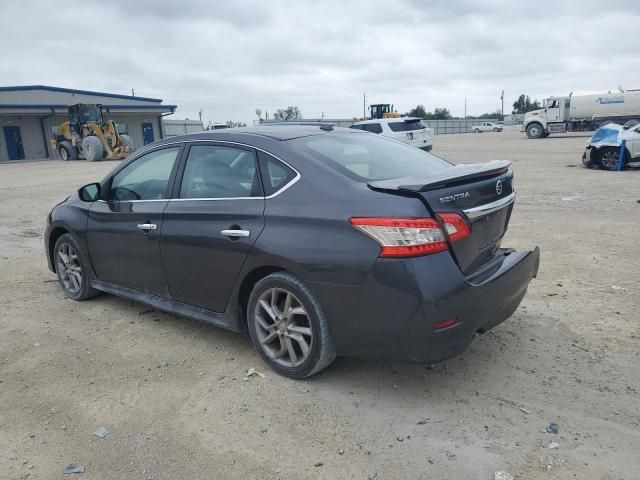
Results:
[582, 112]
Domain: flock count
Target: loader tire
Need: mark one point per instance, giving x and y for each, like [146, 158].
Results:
[92, 148]
[67, 151]
[127, 142]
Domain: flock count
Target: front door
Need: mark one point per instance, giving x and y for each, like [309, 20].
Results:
[147, 133]
[553, 110]
[13, 139]
[211, 224]
[124, 228]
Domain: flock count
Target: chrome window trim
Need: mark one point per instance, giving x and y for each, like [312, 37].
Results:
[486, 209]
[289, 184]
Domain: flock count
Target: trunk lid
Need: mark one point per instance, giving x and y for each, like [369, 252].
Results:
[482, 193]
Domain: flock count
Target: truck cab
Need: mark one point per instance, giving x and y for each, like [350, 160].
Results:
[551, 118]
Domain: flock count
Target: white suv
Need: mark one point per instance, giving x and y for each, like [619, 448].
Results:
[409, 130]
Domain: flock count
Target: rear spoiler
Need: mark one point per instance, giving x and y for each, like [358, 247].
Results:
[451, 176]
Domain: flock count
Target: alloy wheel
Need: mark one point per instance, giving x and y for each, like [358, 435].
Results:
[609, 159]
[283, 327]
[69, 268]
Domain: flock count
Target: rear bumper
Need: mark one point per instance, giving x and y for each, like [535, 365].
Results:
[391, 315]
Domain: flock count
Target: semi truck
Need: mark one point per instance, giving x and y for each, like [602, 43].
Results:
[582, 112]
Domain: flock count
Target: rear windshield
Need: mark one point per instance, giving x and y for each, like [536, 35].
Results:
[406, 125]
[370, 157]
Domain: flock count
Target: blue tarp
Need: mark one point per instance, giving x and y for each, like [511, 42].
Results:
[605, 135]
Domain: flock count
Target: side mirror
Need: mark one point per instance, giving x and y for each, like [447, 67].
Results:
[90, 192]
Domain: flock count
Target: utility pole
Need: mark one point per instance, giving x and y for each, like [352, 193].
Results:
[502, 100]
[364, 106]
[133, 92]
[465, 108]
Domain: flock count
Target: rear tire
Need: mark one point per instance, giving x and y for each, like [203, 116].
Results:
[477, 130]
[67, 151]
[609, 158]
[72, 269]
[92, 148]
[631, 123]
[288, 327]
[535, 130]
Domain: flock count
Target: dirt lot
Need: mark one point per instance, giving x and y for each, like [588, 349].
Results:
[172, 394]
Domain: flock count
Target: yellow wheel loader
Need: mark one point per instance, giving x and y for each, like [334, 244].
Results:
[87, 135]
[382, 110]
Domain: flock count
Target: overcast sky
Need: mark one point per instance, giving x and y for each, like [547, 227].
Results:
[229, 58]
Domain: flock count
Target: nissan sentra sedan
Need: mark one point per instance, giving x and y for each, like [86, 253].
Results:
[318, 241]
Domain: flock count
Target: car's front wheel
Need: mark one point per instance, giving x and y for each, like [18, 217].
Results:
[287, 326]
[609, 158]
[71, 268]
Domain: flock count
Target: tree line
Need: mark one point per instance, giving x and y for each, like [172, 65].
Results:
[523, 104]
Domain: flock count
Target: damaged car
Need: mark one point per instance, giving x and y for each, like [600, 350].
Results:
[603, 148]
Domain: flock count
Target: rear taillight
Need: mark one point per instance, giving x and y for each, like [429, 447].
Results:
[409, 237]
[455, 226]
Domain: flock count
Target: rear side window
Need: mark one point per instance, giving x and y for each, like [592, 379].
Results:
[213, 171]
[406, 126]
[275, 174]
[372, 127]
[370, 157]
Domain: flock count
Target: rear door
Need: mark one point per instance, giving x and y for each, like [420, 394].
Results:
[123, 229]
[211, 223]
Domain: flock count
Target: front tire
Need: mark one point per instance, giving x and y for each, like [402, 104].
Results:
[72, 269]
[535, 130]
[288, 327]
[92, 148]
[609, 158]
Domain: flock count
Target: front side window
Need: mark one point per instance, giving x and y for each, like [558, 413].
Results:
[146, 178]
[370, 157]
[213, 171]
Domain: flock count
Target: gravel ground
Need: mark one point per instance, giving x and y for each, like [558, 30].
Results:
[173, 395]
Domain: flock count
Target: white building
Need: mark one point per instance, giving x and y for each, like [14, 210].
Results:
[28, 115]
[173, 127]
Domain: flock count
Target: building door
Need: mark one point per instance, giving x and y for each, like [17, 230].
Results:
[147, 133]
[13, 139]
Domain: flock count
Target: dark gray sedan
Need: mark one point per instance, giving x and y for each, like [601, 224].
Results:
[318, 241]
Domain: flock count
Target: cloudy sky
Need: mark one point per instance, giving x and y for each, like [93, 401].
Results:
[229, 58]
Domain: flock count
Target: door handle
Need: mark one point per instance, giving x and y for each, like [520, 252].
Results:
[147, 226]
[236, 233]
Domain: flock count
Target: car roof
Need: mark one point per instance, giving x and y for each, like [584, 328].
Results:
[279, 132]
[386, 120]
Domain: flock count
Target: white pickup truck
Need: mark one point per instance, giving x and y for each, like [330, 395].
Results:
[486, 127]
